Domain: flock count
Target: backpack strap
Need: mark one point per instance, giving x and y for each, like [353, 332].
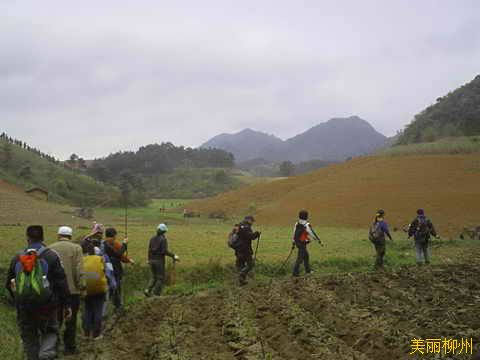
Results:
[41, 250]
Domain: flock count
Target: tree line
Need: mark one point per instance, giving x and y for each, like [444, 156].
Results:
[137, 172]
[156, 159]
[23, 145]
[456, 114]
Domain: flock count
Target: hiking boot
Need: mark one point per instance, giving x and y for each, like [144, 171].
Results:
[147, 293]
[71, 352]
[99, 337]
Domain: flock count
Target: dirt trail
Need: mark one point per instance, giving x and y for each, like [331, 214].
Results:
[346, 316]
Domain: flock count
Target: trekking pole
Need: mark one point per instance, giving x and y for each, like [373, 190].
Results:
[125, 201]
[174, 273]
[126, 215]
[256, 249]
[286, 260]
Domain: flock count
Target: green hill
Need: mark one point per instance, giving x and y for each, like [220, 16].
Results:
[27, 167]
[450, 145]
[167, 171]
[456, 114]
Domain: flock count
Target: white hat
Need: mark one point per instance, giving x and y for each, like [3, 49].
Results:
[162, 227]
[65, 231]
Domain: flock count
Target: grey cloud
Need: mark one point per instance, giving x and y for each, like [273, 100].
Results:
[94, 78]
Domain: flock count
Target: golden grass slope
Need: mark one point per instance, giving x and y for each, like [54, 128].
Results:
[16, 207]
[447, 186]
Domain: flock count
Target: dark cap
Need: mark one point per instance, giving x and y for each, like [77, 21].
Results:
[303, 215]
[35, 233]
[420, 212]
[380, 212]
[249, 218]
[110, 233]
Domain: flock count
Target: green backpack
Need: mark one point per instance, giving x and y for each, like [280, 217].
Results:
[32, 288]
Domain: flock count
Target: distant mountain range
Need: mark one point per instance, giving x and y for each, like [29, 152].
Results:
[334, 140]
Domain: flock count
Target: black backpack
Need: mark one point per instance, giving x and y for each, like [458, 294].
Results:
[234, 240]
[423, 227]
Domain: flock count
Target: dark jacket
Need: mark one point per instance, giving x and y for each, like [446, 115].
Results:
[89, 243]
[115, 256]
[246, 235]
[158, 247]
[56, 275]
[419, 232]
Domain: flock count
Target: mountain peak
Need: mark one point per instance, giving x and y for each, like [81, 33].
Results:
[333, 140]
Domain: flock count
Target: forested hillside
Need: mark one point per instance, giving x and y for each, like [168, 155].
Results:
[166, 170]
[27, 167]
[455, 114]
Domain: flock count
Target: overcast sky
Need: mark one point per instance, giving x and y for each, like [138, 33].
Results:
[94, 77]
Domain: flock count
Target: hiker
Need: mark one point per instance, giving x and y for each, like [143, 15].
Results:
[37, 282]
[376, 235]
[302, 235]
[244, 251]
[72, 260]
[99, 280]
[421, 228]
[117, 252]
[94, 239]
[157, 250]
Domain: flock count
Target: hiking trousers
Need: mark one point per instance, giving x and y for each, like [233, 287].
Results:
[70, 333]
[380, 253]
[422, 250]
[157, 280]
[245, 264]
[302, 257]
[39, 332]
[93, 315]
[116, 295]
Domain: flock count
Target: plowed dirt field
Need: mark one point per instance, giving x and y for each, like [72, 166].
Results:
[333, 317]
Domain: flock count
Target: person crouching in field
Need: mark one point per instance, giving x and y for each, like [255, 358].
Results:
[99, 280]
[72, 259]
[37, 282]
[421, 228]
[376, 235]
[157, 250]
[117, 252]
[302, 235]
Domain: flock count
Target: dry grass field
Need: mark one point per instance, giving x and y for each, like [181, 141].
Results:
[348, 194]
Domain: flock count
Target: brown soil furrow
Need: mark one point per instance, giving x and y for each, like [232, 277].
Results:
[344, 316]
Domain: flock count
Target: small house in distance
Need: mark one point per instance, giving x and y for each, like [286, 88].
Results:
[38, 193]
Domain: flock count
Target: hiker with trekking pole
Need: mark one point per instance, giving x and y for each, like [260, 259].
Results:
[117, 252]
[157, 250]
[302, 235]
[240, 240]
